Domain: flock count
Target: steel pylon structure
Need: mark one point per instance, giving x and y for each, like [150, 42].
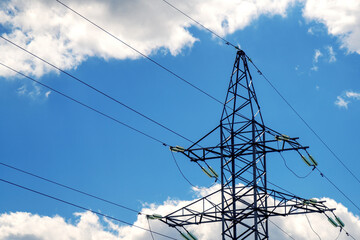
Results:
[243, 203]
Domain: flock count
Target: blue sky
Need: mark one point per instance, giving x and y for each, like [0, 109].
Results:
[310, 55]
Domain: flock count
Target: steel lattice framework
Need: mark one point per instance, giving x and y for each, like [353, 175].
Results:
[246, 201]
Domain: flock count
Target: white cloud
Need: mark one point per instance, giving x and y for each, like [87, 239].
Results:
[341, 102]
[341, 18]
[316, 57]
[332, 54]
[22, 225]
[354, 95]
[51, 31]
[59, 36]
[22, 90]
[47, 94]
[317, 54]
[344, 100]
[314, 68]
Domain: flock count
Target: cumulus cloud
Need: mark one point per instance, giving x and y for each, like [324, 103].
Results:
[342, 19]
[346, 98]
[49, 30]
[21, 225]
[61, 37]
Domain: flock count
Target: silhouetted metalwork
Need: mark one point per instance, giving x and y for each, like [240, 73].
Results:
[243, 203]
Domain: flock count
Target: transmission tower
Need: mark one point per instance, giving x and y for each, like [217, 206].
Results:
[244, 203]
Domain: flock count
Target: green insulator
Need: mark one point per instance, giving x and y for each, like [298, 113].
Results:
[282, 137]
[192, 236]
[206, 172]
[150, 217]
[313, 200]
[332, 222]
[156, 216]
[213, 172]
[181, 149]
[177, 149]
[314, 163]
[341, 223]
[285, 137]
[305, 160]
[184, 236]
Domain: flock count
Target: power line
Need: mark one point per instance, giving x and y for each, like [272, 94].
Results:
[152, 236]
[84, 208]
[338, 235]
[101, 28]
[303, 120]
[149, 59]
[182, 174]
[322, 175]
[281, 229]
[68, 187]
[312, 227]
[140, 53]
[262, 74]
[293, 172]
[107, 201]
[280, 187]
[176, 75]
[298, 176]
[87, 106]
[97, 90]
[102, 199]
[201, 25]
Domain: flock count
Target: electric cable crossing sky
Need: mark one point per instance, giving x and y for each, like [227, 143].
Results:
[244, 203]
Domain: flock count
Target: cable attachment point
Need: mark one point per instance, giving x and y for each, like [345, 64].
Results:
[310, 162]
[177, 149]
[210, 173]
[154, 216]
[282, 137]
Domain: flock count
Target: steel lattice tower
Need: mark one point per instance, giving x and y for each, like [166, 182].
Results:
[246, 201]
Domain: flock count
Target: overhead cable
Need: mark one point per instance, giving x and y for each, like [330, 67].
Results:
[307, 125]
[332, 183]
[140, 53]
[182, 174]
[283, 98]
[68, 187]
[312, 227]
[281, 229]
[84, 208]
[201, 25]
[85, 105]
[97, 90]
[293, 172]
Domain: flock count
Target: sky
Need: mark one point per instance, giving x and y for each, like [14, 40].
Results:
[308, 49]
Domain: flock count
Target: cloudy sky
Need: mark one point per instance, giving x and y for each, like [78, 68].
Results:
[310, 50]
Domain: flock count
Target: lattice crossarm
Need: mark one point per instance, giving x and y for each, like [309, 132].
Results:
[283, 204]
[203, 210]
